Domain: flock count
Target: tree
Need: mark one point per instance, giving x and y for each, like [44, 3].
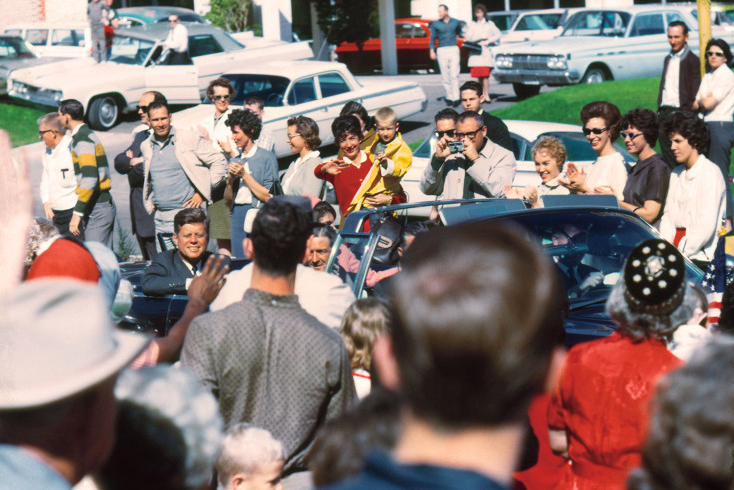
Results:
[348, 20]
[230, 15]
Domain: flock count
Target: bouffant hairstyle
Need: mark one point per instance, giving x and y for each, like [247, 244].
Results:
[322, 209]
[247, 121]
[308, 129]
[220, 82]
[480, 6]
[364, 321]
[554, 147]
[344, 125]
[644, 120]
[720, 43]
[689, 126]
[605, 110]
[355, 108]
[472, 343]
[691, 433]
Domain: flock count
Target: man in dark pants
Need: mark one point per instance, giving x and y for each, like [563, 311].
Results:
[128, 162]
[679, 83]
[471, 99]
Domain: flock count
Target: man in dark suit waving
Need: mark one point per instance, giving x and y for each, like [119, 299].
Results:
[171, 271]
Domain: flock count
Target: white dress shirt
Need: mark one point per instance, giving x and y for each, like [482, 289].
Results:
[608, 170]
[178, 38]
[218, 130]
[322, 295]
[695, 202]
[671, 88]
[294, 168]
[58, 182]
[720, 84]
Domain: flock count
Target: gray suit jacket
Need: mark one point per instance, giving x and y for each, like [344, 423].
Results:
[204, 165]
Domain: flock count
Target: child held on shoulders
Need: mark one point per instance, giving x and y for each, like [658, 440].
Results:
[364, 321]
[394, 158]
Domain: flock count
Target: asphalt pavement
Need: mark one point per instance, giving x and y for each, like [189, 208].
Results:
[416, 128]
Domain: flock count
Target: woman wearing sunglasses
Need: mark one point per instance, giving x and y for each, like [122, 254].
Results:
[715, 99]
[647, 182]
[601, 124]
[220, 93]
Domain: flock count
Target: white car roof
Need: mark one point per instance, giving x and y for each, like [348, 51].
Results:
[531, 130]
[289, 68]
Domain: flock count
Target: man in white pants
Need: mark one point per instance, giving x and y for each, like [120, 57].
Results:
[445, 31]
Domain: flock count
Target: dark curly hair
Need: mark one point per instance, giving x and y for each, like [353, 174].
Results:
[720, 43]
[220, 82]
[247, 121]
[308, 129]
[645, 120]
[689, 126]
[691, 434]
[279, 235]
[343, 125]
[605, 110]
[355, 108]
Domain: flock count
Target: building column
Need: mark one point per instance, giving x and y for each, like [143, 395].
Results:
[386, 11]
[276, 18]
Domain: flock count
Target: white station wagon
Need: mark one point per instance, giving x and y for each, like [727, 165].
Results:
[316, 89]
[597, 45]
[138, 63]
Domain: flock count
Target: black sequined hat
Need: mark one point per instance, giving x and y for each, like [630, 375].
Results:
[654, 277]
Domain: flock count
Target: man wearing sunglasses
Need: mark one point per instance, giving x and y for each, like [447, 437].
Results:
[58, 182]
[467, 164]
[177, 41]
[679, 83]
[128, 163]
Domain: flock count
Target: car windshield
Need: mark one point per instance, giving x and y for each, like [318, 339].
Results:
[14, 48]
[130, 50]
[347, 255]
[270, 88]
[597, 23]
[538, 22]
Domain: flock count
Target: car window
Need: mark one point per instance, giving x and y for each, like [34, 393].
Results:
[302, 91]
[14, 48]
[13, 32]
[677, 16]
[595, 23]
[271, 89]
[203, 44]
[404, 30]
[418, 31]
[538, 22]
[130, 51]
[503, 22]
[37, 37]
[648, 24]
[62, 37]
[517, 146]
[130, 22]
[332, 84]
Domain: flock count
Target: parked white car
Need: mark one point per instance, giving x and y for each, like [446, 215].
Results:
[523, 134]
[538, 25]
[138, 64]
[597, 45]
[57, 39]
[316, 89]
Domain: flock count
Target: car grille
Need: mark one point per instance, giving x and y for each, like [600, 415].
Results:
[529, 62]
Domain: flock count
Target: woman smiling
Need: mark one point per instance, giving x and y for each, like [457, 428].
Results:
[549, 156]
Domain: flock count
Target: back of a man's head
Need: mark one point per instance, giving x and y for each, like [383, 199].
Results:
[279, 234]
[477, 314]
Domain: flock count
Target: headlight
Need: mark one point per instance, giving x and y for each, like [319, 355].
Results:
[20, 88]
[503, 61]
[557, 63]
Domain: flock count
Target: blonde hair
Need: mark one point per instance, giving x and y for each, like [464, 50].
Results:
[554, 147]
[386, 115]
[364, 321]
[245, 449]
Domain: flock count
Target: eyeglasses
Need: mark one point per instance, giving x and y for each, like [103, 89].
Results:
[172, 21]
[143, 108]
[469, 134]
[597, 131]
[448, 132]
[221, 97]
[41, 133]
[291, 136]
[625, 135]
[714, 53]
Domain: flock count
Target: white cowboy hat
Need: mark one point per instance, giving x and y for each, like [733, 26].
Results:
[56, 340]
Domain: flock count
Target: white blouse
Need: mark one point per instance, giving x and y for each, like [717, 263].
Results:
[608, 170]
[720, 84]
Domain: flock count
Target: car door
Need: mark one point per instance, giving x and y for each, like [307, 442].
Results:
[66, 43]
[645, 47]
[39, 39]
[303, 99]
[209, 57]
[180, 83]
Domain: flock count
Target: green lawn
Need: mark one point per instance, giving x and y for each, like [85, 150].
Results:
[19, 122]
[564, 105]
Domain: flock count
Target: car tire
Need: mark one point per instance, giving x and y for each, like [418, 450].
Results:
[595, 75]
[525, 91]
[103, 113]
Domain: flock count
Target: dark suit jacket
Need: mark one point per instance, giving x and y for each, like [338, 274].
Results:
[167, 274]
[569, 281]
[688, 81]
[142, 222]
[497, 130]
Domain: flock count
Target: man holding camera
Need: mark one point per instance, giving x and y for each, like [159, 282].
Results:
[466, 164]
